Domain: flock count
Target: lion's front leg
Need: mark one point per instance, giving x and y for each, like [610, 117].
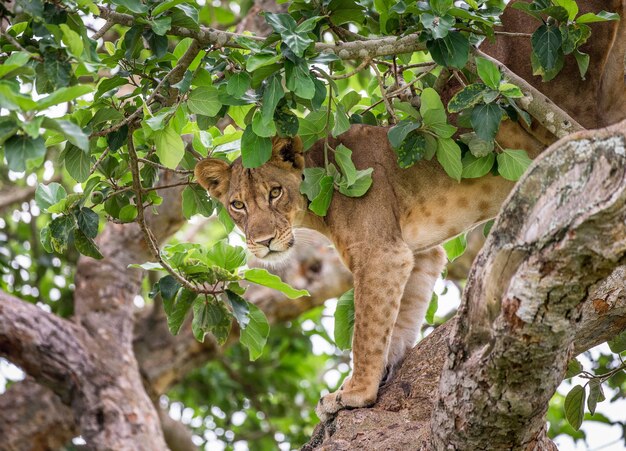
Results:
[379, 279]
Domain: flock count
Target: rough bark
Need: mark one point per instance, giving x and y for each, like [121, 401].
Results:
[548, 285]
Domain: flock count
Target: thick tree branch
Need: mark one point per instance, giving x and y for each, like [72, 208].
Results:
[47, 347]
[523, 301]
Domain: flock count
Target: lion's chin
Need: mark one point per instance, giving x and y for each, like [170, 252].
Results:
[274, 258]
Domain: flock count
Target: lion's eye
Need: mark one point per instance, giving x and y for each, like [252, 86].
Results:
[237, 205]
[275, 192]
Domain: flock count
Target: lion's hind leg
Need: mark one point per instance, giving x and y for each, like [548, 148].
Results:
[415, 299]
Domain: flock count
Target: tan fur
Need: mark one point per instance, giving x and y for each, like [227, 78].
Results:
[390, 237]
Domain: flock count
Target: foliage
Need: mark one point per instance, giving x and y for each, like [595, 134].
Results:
[106, 115]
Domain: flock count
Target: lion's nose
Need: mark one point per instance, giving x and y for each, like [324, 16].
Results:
[265, 242]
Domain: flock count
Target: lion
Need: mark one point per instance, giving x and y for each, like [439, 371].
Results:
[391, 237]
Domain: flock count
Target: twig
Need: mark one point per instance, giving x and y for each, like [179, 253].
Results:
[182, 65]
[358, 49]
[358, 69]
[145, 190]
[510, 33]
[97, 163]
[141, 220]
[98, 34]
[165, 168]
[383, 93]
[19, 46]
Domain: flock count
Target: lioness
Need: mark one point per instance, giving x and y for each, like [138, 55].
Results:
[388, 238]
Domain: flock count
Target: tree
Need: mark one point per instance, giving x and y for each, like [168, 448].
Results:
[154, 71]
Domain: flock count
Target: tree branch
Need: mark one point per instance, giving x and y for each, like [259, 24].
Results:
[47, 347]
[553, 118]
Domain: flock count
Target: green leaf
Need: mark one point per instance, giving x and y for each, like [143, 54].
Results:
[299, 79]
[86, 245]
[582, 59]
[343, 157]
[433, 305]
[440, 7]
[240, 307]
[310, 185]
[169, 146]
[254, 336]
[200, 322]
[513, 163]
[161, 25]
[452, 51]
[56, 70]
[72, 40]
[168, 286]
[262, 277]
[399, 132]
[88, 221]
[344, 320]
[204, 100]
[298, 42]
[350, 100]
[618, 343]
[60, 230]
[467, 97]
[449, 156]
[485, 120]
[50, 194]
[510, 90]
[132, 5]
[20, 148]
[272, 94]
[255, 62]
[179, 309]
[411, 150]
[570, 6]
[360, 186]
[455, 247]
[286, 123]
[319, 205]
[477, 167]
[226, 256]
[575, 406]
[602, 16]
[596, 395]
[342, 123]
[546, 43]
[477, 146]
[438, 26]
[210, 315]
[238, 84]
[312, 128]
[196, 201]
[255, 150]
[261, 128]
[70, 130]
[488, 72]
[127, 213]
[574, 368]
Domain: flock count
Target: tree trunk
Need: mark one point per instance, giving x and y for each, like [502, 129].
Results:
[548, 285]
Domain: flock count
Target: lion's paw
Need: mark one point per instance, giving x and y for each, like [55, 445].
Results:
[330, 404]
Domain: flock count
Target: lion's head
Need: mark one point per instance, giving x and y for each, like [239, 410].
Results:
[264, 201]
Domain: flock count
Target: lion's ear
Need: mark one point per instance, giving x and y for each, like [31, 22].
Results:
[213, 175]
[288, 150]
